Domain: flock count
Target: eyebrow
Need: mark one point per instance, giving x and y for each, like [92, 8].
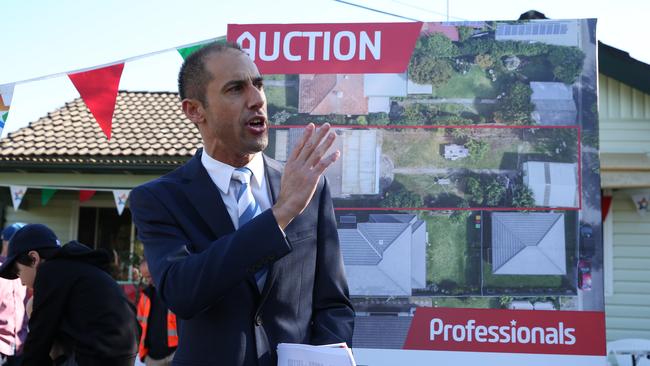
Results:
[254, 80]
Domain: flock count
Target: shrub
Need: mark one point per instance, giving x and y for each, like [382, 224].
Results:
[484, 61]
[567, 63]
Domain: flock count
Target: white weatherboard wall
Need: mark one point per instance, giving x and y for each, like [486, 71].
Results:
[628, 308]
[625, 128]
[624, 118]
[57, 214]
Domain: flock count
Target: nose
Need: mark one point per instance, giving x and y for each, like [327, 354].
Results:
[256, 98]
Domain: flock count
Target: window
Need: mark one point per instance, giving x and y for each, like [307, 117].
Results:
[103, 228]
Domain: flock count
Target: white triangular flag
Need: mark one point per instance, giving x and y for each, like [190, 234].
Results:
[641, 200]
[6, 94]
[120, 196]
[17, 194]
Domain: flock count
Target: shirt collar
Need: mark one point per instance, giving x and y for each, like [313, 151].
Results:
[221, 173]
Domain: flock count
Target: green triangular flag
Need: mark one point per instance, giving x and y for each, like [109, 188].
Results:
[186, 51]
[46, 194]
[4, 116]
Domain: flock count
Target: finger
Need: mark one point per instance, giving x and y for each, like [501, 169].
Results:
[322, 149]
[326, 162]
[313, 142]
[307, 133]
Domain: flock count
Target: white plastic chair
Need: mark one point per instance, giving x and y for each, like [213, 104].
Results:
[629, 352]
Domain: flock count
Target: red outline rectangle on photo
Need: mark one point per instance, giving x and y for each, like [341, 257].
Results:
[531, 127]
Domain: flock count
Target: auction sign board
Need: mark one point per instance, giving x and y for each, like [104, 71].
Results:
[467, 194]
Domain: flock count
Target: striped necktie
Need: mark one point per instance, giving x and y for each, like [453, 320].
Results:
[247, 208]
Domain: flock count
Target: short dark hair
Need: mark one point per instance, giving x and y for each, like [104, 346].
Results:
[532, 14]
[193, 77]
[26, 260]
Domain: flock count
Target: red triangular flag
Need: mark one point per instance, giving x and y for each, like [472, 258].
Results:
[98, 89]
[605, 203]
[85, 195]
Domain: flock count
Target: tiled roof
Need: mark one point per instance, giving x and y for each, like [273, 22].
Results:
[356, 250]
[332, 93]
[381, 236]
[366, 244]
[448, 30]
[528, 243]
[149, 130]
[387, 332]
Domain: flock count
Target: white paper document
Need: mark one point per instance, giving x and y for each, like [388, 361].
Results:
[292, 354]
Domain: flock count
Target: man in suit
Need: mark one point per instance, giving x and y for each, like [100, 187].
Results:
[241, 285]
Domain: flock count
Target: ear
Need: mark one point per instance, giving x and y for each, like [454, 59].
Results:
[193, 110]
[35, 257]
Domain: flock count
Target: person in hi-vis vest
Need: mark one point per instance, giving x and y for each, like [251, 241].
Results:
[159, 337]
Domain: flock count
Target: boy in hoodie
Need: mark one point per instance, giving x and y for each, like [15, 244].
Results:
[76, 302]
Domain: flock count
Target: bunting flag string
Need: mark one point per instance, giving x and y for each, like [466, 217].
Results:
[189, 46]
[98, 89]
[98, 85]
[120, 195]
[17, 194]
[6, 94]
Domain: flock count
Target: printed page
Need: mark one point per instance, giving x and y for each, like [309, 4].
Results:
[290, 354]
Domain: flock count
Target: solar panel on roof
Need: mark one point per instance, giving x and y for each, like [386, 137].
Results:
[531, 29]
[528, 29]
[544, 29]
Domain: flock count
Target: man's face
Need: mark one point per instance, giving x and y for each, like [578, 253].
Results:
[27, 274]
[235, 123]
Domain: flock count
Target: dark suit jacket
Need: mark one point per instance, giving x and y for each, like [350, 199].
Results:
[204, 270]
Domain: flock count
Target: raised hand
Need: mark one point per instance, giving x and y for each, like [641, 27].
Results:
[303, 171]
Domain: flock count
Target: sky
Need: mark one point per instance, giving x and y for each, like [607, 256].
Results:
[44, 39]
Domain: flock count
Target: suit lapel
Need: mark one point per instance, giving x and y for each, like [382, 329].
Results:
[205, 197]
[273, 171]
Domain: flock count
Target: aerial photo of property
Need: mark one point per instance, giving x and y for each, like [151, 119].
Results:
[461, 181]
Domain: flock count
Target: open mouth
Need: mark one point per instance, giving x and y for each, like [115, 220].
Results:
[257, 124]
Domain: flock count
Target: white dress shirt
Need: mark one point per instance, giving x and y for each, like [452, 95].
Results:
[221, 175]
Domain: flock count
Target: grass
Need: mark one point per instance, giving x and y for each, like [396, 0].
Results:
[276, 95]
[466, 302]
[519, 281]
[457, 109]
[446, 251]
[275, 77]
[473, 84]
[282, 96]
[423, 184]
[412, 148]
[422, 148]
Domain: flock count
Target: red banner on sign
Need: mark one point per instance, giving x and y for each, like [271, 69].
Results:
[353, 48]
[511, 331]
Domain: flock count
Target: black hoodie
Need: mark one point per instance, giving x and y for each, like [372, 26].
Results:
[80, 306]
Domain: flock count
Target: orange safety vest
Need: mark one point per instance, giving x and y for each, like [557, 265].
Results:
[144, 308]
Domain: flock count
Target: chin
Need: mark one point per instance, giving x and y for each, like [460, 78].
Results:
[260, 144]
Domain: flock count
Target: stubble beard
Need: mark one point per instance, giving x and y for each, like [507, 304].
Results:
[259, 144]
